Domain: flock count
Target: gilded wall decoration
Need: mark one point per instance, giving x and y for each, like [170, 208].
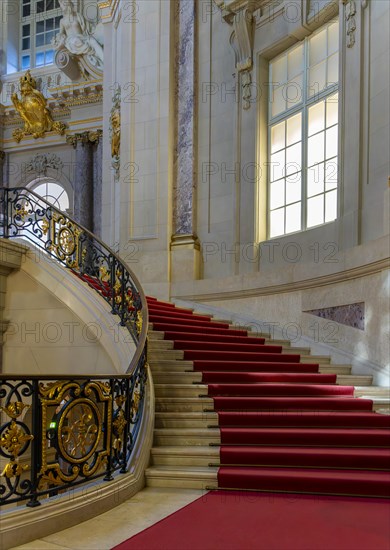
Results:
[90, 136]
[32, 107]
[115, 131]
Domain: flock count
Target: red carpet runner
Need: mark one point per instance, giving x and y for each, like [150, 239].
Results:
[284, 426]
[224, 520]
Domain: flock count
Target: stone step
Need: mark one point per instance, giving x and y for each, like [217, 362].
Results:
[188, 389]
[172, 354]
[335, 369]
[186, 419]
[190, 437]
[317, 359]
[180, 390]
[155, 335]
[160, 345]
[196, 378]
[183, 437]
[381, 392]
[183, 404]
[196, 455]
[195, 477]
[177, 377]
[186, 436]
[165, 365]
[354, 380]
[381, 405]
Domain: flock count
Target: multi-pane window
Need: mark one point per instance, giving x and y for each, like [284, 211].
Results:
[40, 23]
[303, 134]
[53, 193]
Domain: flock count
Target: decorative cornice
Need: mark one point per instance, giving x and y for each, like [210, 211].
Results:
[90, 136]
[83, 94]
[324, 280]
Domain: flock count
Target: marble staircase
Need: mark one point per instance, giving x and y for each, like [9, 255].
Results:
[185, 453]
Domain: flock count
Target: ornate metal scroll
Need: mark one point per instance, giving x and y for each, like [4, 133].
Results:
[29, 216]
[59, 433]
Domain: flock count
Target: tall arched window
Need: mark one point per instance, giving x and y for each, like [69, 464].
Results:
[303, 134]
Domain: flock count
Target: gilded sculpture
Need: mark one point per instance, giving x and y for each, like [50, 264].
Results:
[32, 107]
[115, 131]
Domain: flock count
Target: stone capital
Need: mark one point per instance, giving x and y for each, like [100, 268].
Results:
[89, 136]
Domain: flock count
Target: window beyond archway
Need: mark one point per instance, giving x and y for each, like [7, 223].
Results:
[53, 193]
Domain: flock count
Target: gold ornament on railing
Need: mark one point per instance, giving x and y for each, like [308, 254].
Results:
[14, 440]
[139, 322]
[32, 107]
[65, 240]
[15, 409]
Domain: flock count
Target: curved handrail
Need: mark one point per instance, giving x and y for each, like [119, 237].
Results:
[63, 407]
[83, 252]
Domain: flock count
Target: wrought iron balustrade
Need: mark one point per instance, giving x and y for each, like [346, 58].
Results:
[57, 433]
[60, 431]
[25, 214]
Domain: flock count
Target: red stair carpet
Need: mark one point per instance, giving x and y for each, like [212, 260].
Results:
[284, 426]
[227, 520]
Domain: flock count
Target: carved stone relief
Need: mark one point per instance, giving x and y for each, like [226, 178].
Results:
[240, 16]
[79, 44]
[41, 162]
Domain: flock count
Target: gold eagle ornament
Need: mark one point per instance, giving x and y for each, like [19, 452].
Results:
[32, 107]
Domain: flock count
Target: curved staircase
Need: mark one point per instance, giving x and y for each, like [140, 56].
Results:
[237, 410]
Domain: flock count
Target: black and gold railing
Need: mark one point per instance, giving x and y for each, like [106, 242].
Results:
[58, 432]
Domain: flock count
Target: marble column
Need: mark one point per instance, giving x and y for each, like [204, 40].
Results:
[83, 183]
[2, 163]
[97, 184]
[185, 249]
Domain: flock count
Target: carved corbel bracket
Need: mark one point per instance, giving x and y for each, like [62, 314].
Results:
[239, 14]
[350, 12]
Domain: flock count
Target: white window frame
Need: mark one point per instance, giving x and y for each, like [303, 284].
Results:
[33, 19]
[303, 108]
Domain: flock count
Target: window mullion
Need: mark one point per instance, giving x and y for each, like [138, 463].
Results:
[304, 135]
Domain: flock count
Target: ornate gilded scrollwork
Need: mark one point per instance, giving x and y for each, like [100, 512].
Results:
[33, 109]
[14, 440]
[65, 240]
[115, 131]
[81, 429]
[139, 322]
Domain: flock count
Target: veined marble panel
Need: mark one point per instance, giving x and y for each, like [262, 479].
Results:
[351, 315]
